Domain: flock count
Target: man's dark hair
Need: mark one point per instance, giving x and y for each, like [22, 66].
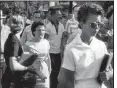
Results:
[89, 8]
[54, 9]
[110, 12]
[35, 25]
[37, 11]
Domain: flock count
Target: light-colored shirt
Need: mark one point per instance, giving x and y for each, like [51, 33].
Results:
[72, 28]
[54, 38]
[85, 60]
[27, 34]
[5, 31]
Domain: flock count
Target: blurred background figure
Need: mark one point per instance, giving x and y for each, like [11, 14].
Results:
[71, 29]
[27, 34]
[109, 42]
[54, 30]
[72, 25]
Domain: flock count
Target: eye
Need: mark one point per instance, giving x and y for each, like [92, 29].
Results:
[94, 25]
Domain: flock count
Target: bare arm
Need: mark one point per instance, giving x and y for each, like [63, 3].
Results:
[66, 78]
[16, 66]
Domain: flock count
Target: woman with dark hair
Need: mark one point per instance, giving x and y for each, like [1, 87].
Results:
[12, 53]
[84, 55]
[39, 45]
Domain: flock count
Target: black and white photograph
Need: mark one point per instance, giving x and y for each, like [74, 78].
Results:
[57, 44]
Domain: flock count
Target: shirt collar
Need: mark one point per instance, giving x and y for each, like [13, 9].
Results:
[78, 41]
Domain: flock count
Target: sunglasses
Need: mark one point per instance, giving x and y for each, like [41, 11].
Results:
[95, 25]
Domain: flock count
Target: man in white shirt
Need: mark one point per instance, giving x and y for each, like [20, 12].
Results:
[84, 55]
[54, 31]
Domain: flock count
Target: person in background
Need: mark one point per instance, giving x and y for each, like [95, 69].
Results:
[12, 54]
[5, 31]
[72, 25]
[83, 56]
[109, 16]
[27, 35]
[48, 16]
[71, 29]
[64, 35]
[108, 75]
[24, 14]
[27, 22]
[40, 46]
[64, 19]
[54, 30]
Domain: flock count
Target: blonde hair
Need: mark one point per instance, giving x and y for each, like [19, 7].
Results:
[17, 19]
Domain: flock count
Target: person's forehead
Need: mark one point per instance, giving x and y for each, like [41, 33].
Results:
[17, 19]
[41, 27]
[37, 14]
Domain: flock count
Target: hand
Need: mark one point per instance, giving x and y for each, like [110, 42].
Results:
[31, 69]
[105, 76]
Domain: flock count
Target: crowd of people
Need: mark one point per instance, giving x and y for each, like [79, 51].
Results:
[57, 51]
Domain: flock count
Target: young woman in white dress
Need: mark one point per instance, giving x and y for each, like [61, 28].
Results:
[39, 45]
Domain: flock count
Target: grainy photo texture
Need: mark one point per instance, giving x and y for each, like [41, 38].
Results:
[56, 44]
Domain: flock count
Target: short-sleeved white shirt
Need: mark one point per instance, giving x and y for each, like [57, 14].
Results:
[84, 59]
[54, 38]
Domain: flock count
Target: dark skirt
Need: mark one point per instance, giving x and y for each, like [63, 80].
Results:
[18, 79]
[10, 81]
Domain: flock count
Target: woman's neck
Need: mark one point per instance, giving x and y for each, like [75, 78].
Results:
[86, 39]
[37, 39]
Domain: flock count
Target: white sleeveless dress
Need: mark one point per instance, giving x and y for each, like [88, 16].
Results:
[42, 49]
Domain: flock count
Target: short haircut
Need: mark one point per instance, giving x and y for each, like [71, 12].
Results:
[110, 12]
[54, 9]
[37, 11]
[35, 25]
[88, 8]
[23, 12]
[17, 19]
